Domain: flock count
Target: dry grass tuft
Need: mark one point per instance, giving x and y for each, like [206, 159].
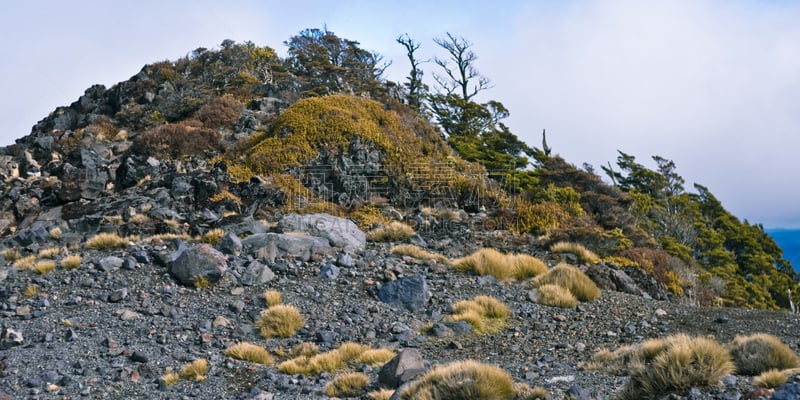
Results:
[44, 267]
[11, 254]
[50, 252]
[380, 394]
[461, 380]
[556, 296]
[419, 253]
[30, 290]
[250, 352]
[305, 349]
[170, 378]
[761, 352]
[213, 236]
[585, 256]
[347, 385]
[25, 263]
[273, 298]
[139, 219]
[166, 237]
[281, 321]
[395, 231]
[525, 392]
[503, 267]
[770, 379]
[71, 262]
[571, 278]
[55, 233]
[200, 282]
[486, 314]
[375, 357]
[195, 370]
[307, 362]
[106, 241]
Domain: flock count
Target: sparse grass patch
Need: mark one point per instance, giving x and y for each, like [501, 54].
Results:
[347, 385]
[273, 298]
[30, 290]
[761, 352]
[380, 394]
[170, 378]
[556, 296]
[106, 241]
[486, 314]
[212, 236]
[280, 320]
[201, 282]
[369, 216]
[11, 254]
[307, 362]
[306, 349]
[571, 278]
[44, 267]
[585, 256]
[195, 370]
[139, 219]
[250, 352]
[419, 253]
[25, 262]
[375, 357]
[115, 220]
[394, 231]
[524, 392]
[503, 267]
[71, 262]
[770, 379]
[49, 252]
[166, 237]
[55, 233]
[461, 380]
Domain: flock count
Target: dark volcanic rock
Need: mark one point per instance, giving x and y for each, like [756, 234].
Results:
[412, 292]
[392, 373]
[199, 261]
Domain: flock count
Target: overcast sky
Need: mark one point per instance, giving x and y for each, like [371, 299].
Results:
[712, 84]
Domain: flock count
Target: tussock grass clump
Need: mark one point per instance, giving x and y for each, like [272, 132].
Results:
[659, 367]
[50, 252]
[213, 236]
[486, 314]
[761, 352]
[394, 231]
[11, 254]
[281, 321]
[139, 219]
[571, 278]
[305, 349]
[44, 267]
[170, 378]
[380, 394]
[106, 241]
[200, 282]
[71, 262]
[166, 237]
[351, 384]
[375, 357]
[195, 370]
[525, 392]
[273, 298]
[24, 263]
[503, 267]
[250, 352]
[770, 379]
[30, 290]
[419, 253]
[55, 233]
[556, 296]
[461, 380]
[308, 363]
[585, 256]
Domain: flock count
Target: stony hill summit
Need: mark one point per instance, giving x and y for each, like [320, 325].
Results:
[234, 224]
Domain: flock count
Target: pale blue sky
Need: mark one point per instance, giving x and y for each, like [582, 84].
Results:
[711, 84]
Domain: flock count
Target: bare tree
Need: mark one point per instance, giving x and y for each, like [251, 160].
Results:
[416, 89]
[460, 74]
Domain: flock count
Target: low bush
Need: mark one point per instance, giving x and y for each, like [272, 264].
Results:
[280, 320]
[761, 352]
[461, 380]
[556, 296]
[177, 140]
[571, 278]
[223, 111]
[351, 384]
[486, 314]
[250, 352]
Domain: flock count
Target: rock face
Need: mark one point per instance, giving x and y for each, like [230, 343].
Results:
[340, 232]
[410, 292]
[199, 261]
[271, 246]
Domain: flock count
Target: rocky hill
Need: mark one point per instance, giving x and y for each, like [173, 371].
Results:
[306, 212]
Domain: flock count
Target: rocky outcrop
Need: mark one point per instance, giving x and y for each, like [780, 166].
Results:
[202, 261]
[271, 246]
[340, 232]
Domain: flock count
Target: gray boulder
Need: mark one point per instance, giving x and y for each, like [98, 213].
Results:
[340, 232]
[411, 292]
[199, 261]
[257, 273]
[271, 246]
[402, 368]
[230, 244]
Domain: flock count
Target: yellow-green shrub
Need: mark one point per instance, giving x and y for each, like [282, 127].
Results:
[461, 380]
[368, 217]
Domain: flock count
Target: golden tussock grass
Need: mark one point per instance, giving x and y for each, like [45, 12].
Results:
[306, 349]
[380, 394]
[770, 379]
[502, 266]
[30, 290]
[273, 298]
[351, 384]
[139, 219]
[280, 320]
[55, 233]
[524, 392]
[170, 378]
[394, 231]
[195, 370]
[11, 254]
[44, 267]
[213, 236]
[761, 352]
[25, 262]
[200, 282]
[419, 253]
[106, 241]
[308, 363]
[556, 296]
[50, 252]
[375, 357]
[71, 262]
[250, 352]
[585, 256]
[461, 380]
[571, 278]
[486, 314]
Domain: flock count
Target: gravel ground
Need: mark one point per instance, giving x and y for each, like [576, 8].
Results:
[111, 333]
